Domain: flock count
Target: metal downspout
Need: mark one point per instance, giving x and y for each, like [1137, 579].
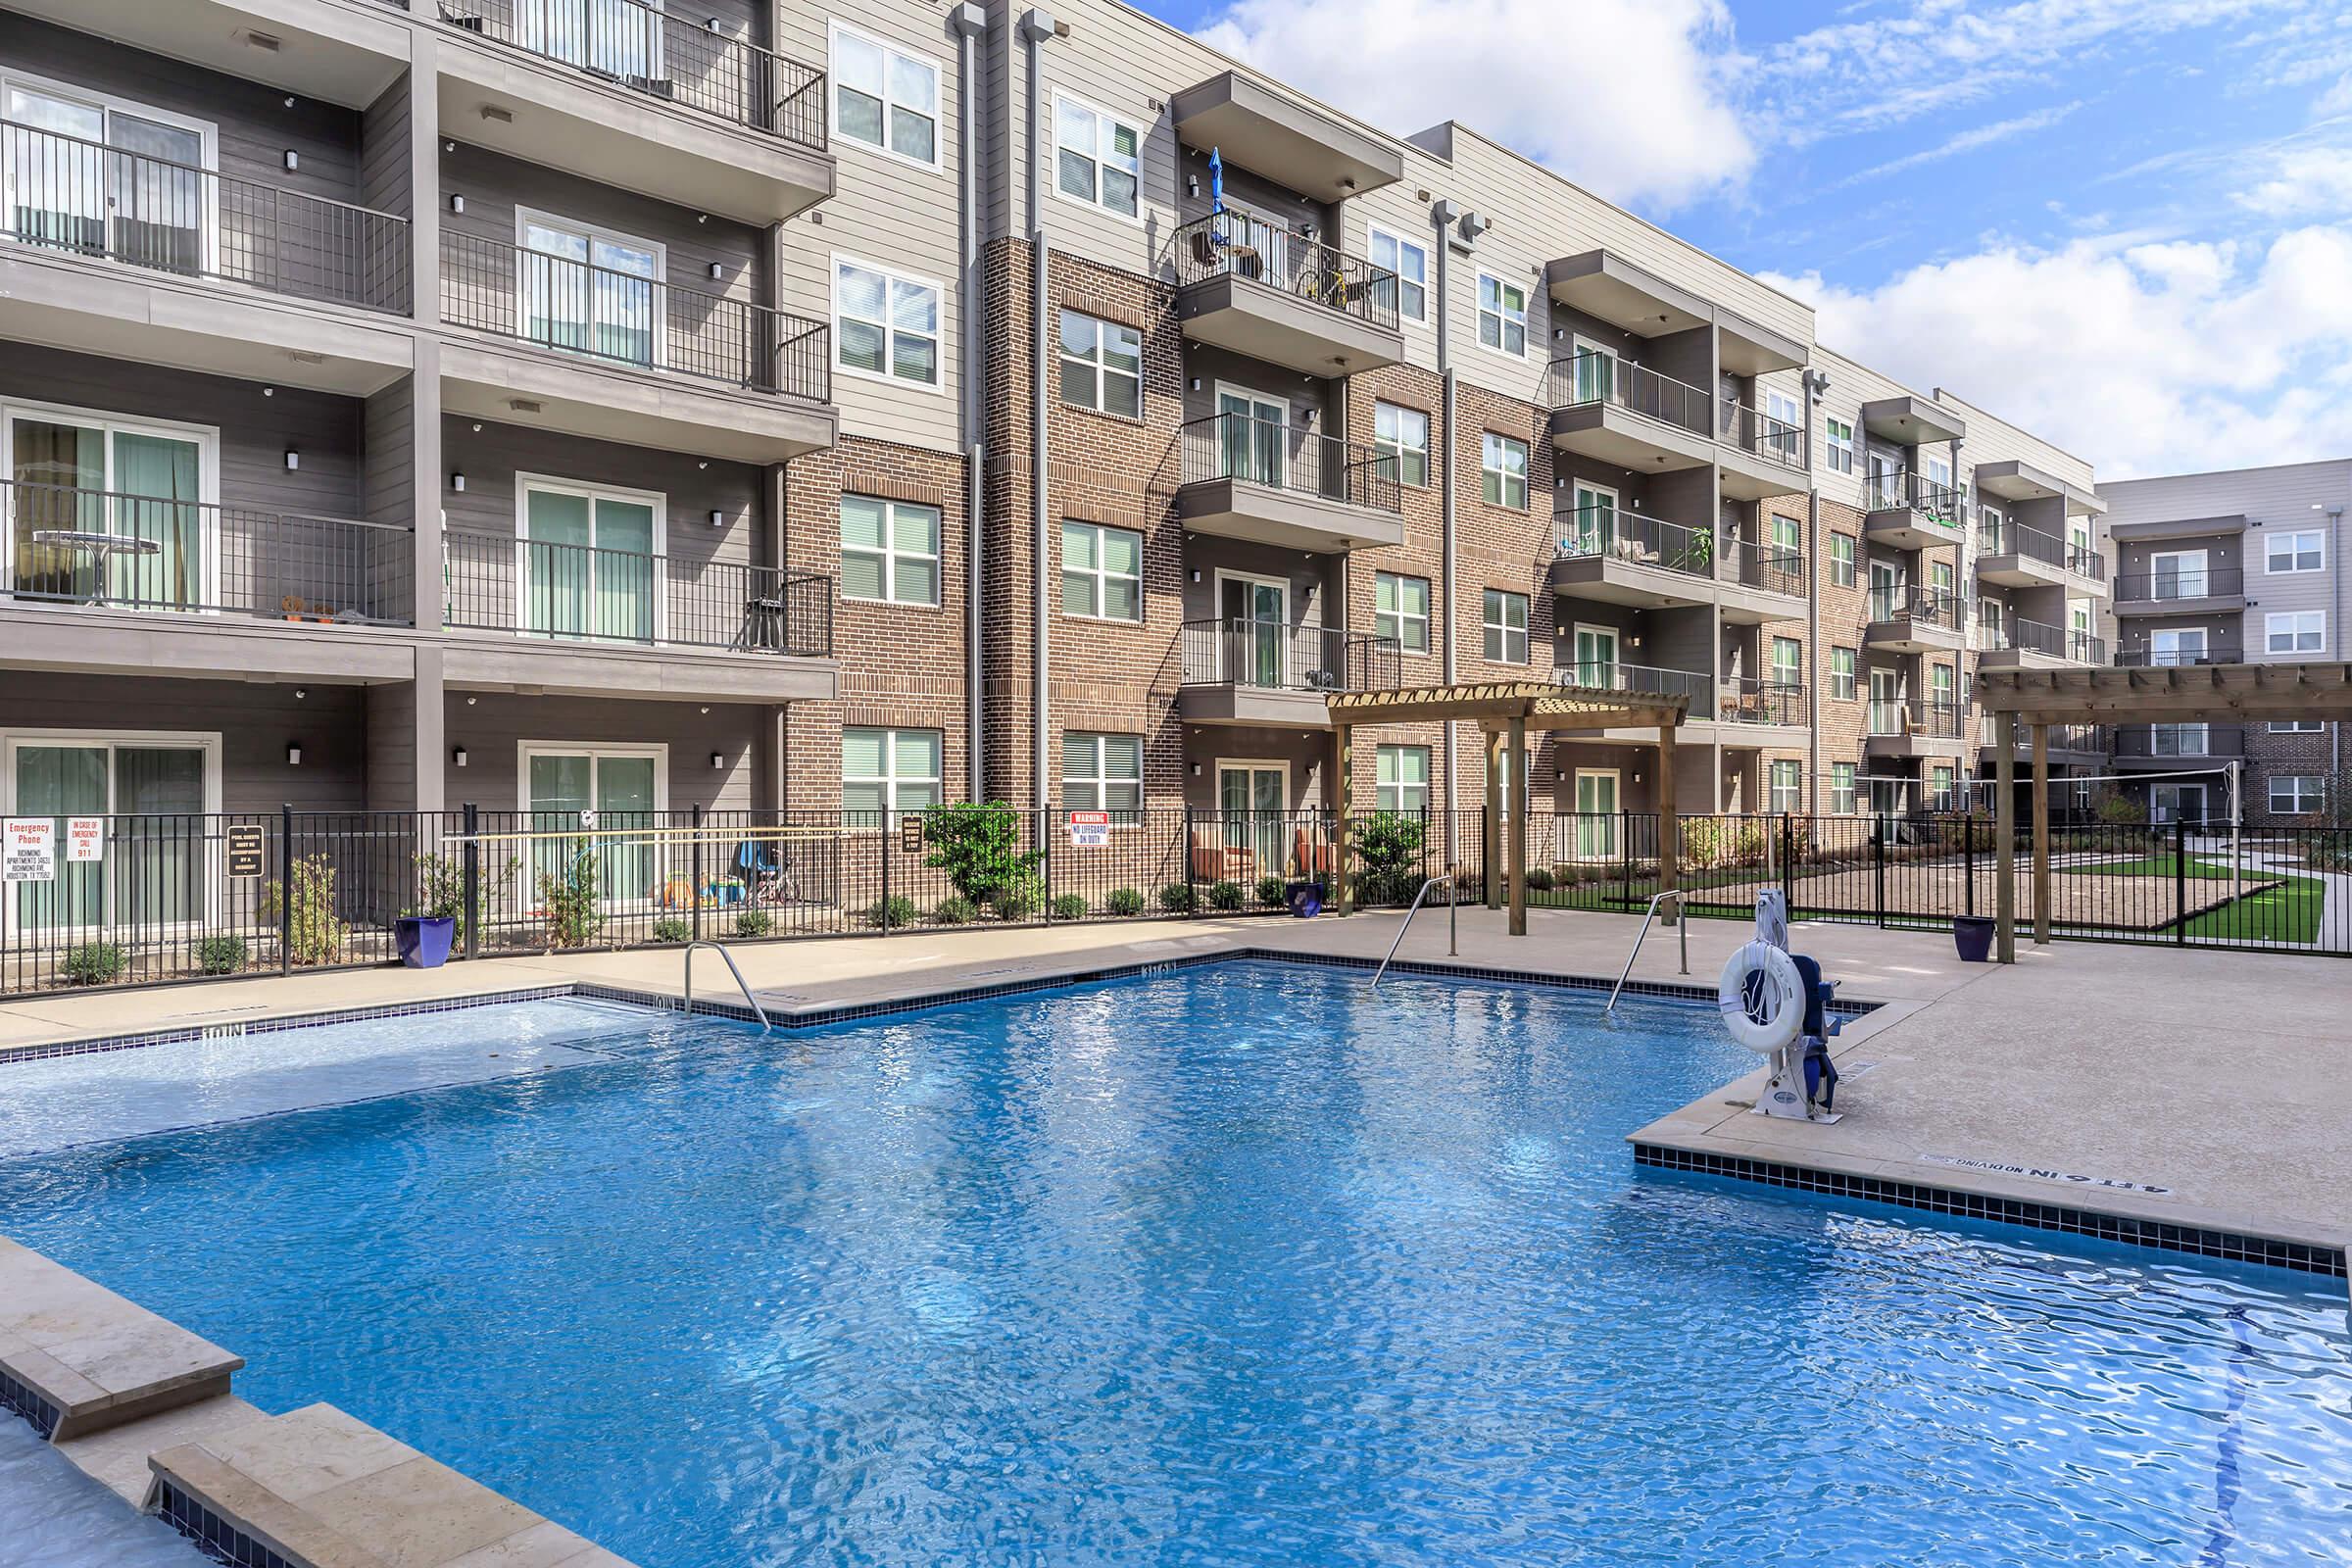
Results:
[1037, 25]
[969, 22]
[1442, 216]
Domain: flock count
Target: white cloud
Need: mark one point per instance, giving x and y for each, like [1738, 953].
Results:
[2146, 358]
[1968, 141]
[1625, 96]
[2303, 180]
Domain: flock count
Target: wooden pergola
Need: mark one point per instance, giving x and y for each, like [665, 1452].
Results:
[2183, 695]
[1505, 711]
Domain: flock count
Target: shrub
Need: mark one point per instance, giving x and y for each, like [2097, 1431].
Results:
[956, 909]
[891, 914]
[1124, 903]
[2121, 809]
[979, 847]
[567, 901]
[1387, 848]
[1225, 896]
[220, 955]
[1177, 897]
[93, 963]
[1540, 880]
[313, 933]
[1071, 906]
[441, 889]
[1016, 902]
[1273, 892]
[669, 928]
[754, 923]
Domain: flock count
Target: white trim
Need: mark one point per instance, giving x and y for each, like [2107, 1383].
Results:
[207, 133]
[1527, 316]
[891, 553]
[1375, 229]
[525, 483]
[937, 386]
[1102, 579]
[657, 285]
[1254, 764]
[1218, 578]
[1526, 628]
[1577, 814]
[1140, 124]
[596, 752]
[2290, 570]
[2270, 621]
[207, 438]
[834, 26]
[1576, 635]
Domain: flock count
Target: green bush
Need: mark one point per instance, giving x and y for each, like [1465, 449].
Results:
[890, 915]
[1124, 903]
[441, 889]
[220, 955]
[93, 963]
[1016, 902]
[1069, 907]
[1225, 896]
[1387, 847]
[956, 909]
[313, 933]
[1273, 892]
[567, 901]
[1539, 879]
[979, 848]
[2120, 809]
[751, 923]
[669, 928]
[1177, 897]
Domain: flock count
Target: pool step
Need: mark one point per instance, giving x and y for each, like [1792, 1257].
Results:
[77, 1358]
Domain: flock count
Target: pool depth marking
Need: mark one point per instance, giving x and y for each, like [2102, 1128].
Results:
[2002, 1167]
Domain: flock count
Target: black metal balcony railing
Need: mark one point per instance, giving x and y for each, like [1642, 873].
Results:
[674, 58]
[1289, 457]
[2209, 652]
[1772, 568]
[1742, 700]
[2095, 738]
[578, 593]
[1751, 430]
[1903, 490]
[89, 199]
[1635, 538]
[111, 550]
[1935, 719]
[1642, 680]
[2033, 544]
[1935, 607]
[1591, 377]
[2041, 637]
[1272, 655]
[625, 319]
[1238, 245]
[2194, 582]
[2180, 740]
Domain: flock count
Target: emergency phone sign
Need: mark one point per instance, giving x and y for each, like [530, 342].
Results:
[30, 852]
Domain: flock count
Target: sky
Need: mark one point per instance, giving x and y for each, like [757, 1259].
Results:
[2125, 224]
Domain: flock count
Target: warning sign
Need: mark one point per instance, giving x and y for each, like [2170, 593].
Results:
[30, 854]
[910, 834]
[85, 838]
[245, 849]
[1090, 830]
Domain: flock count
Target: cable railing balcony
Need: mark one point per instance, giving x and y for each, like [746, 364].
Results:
[1935, 719]
[491, 286]
[1642, 680]
[1742, 700]
[2033, 544]
[2181, 582]
[1903, 490]
[1774, 569]
[674, 57]
[1273, 656]
[2151, 740]
[1233, 244]
[1291, 458]
[2179, 656]
[1637, 538]
[1934, 607]
[2070, 643]
[115, 550]
[1590, 377]
[85, 198]
[1751, 430]
[580, 593]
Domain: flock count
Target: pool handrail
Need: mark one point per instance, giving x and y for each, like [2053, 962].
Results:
[728, 958]
[1682, 923]
[1453, 929]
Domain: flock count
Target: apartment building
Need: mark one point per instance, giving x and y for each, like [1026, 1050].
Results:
[2238, 566]
[561, 405]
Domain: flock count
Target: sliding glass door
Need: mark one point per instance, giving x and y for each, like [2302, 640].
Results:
[102, 512]
[590, 563]
[621, 790]
[156, 792]
[589, 290]
[86, 173]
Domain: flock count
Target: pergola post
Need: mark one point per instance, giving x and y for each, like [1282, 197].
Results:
[1343, 792]
[2004, 837]
[1669, 825]
[1492, 837]
[2041, 835]
[1518, 814]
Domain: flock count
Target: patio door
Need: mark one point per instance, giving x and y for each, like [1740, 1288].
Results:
[1885, 484]
[589, 289]
[157, 789]
[2174, 646]
[2177, 803]
[1253, 801]
[2179, 574]
[623, 789]
[1597, 816]
[611, 37]
[1885, 590]
[88, 174]
[1253, 637]
[591, 562]
[1596, 372]
[1596, 656]
[106, 511]
[1255, 436]
[1595, 526]
[1885, 704]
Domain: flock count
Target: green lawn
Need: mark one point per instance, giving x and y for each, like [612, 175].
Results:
[2288, 911]
[2149, 865]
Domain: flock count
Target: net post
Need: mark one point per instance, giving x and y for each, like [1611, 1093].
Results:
[471, 859]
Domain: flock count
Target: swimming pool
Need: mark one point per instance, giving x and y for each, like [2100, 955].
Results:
[1232, 1266]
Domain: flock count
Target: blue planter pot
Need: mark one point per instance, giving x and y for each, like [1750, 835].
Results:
[423, 938]
[1972, 935]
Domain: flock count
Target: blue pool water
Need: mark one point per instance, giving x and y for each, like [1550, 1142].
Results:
[1232, 1267]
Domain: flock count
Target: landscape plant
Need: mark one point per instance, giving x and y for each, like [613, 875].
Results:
[1070, 906]
[892, 912]
[1124, 903]
[93, 963]
[979, 848]
[1177, 897]
[1386, 846]
[956, 909]
[220, 955]
[311, 933]
[567, 901]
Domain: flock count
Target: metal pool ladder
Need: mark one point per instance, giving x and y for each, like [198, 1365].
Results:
[1453, 924]
[728, 958]
[1681, 924]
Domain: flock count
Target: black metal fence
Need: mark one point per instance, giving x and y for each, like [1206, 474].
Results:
[1288, 457]
[539, 588]
[1235, 244]
[1589, 377]
[1275, 655]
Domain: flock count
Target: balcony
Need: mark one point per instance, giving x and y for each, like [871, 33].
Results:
[2071, 745]
[1915, 620]
[1760, 582]
[1759, 708]
[1762, 456]
[136, 582]
[1261, 290]
[2018, 557]
[1626, 415]
[1903, 730]
[2155, 748]
[2022, 644]
[1283, 484]
[1292, 143]
[2182, 591]
[1912, 512]
[632, 95]
[574, 618]
[621, 357]
[1264, 672]
[2205, 651]
[1911, 422]
[338, 53]
[1628, 558]
[163, 261]
[1646, 680]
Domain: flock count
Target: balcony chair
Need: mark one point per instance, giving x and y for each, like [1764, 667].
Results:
[1311, 859]
[1217, 862]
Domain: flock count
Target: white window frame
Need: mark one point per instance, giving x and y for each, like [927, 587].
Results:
[555, 484]
[1101, 577]
[2296, 619]
[1502, 314]
[2297, 726]
[1850, 677]
[2157, 652]
[208, 477]
[2202, 572]
[1785, 432]
[657, 285]
[205, 742]
[891, 554]
[2270, 551]
[1851, 566]
[1101, 780]
[1101, 365]
[1398, 615]
[2294, 808]
[1843, 786]
[207, 132]
[1374, 233]
[937, 386]
[1488, 598]
[1108, 122]
[1600, 634]
[1603, 825]
[1504, 476]
[527, 893]
[1837, 443]
[1772, 648]
[835, 29]
[1387, 793]
[1398, 447]
[1772, 785]
[890, 778]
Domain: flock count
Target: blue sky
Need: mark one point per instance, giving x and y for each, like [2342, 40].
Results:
[2127, 224]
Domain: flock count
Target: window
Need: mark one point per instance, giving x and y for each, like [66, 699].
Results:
[1939, 787]
[2302, 631]
[885, 326]
[1841, 560]
[76, 471]
[1989, 614]
[1098, 157]
[1102, 571]
[2177, 574]
[1837, 439]
[887, 772]
[1787, 538]
[1841, 788]
[1938, 470]
[1400, 610]
[1784, 430]
[1501, 316]
[1786, 787]
[1400, 441]
[1885, 796]
[1506, 626]
[148, 878]
[1940, 580]
[2296, 727]
[589, 289]
[1401, 779]
[889, 551]
[885, 99]
[1787, 662]
[1842, 663]
[2294, 794]
[1410, 262]
[2294, 551]
[143, 200]
[591, 560]
[1502, 471]
[626, 786]
[1101, 365]
[1102, 772]
[1940, 685]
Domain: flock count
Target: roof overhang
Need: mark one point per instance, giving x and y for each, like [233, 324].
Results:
[2018, 480]
[2321, 691]
[1627, 297]
[1269, 133]
[1748, 349]
[1911, 420]
[2179, 529]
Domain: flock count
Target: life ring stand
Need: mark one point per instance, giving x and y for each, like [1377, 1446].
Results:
[1769, 1020]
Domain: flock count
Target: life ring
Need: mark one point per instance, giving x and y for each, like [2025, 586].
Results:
[1762, 998]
